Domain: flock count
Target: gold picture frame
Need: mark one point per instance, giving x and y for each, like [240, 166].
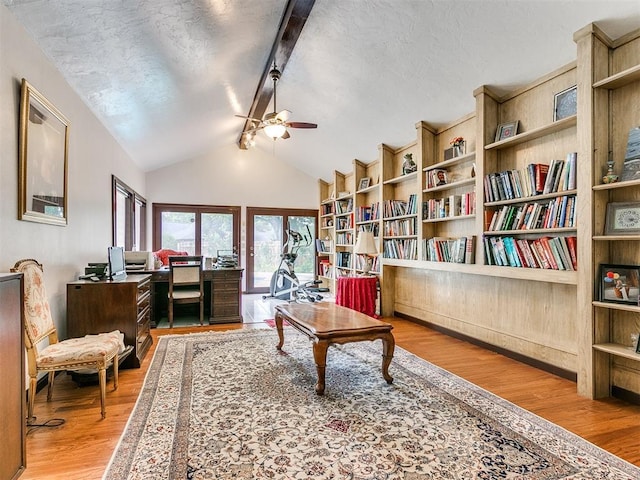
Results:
[43, 158]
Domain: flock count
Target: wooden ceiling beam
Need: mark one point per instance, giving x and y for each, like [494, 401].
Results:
[293, 19]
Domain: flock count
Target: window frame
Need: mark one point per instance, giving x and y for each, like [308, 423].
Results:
[132, 198]
[159, 208]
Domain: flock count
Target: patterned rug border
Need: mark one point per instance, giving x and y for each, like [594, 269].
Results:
[532, 426]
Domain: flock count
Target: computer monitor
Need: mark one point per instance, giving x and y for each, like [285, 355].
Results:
[117, 268]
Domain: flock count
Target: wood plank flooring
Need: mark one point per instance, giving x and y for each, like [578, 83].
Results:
[81, 447]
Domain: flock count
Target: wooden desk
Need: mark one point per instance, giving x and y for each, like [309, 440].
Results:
[326, 323]
[222, 295]
[125, 305]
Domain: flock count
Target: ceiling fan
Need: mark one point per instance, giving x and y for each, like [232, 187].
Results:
[275, 124]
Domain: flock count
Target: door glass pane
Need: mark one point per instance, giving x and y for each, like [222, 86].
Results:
[179, 231]
[217, 233]
[121, 218]
[267, 247]
[305, 263]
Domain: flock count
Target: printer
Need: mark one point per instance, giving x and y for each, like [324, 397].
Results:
[138, 261]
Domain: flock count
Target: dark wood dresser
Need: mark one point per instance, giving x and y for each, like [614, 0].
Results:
[226, 295]
[96, 307]
[13, 455]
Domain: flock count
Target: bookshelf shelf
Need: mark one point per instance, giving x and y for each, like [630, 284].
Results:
[401, 178]
[620, 79]
[617, 306]
[449, 163]
[534, 198]
[390, 237]
[400, 217]
[613, 238]
[534, 134]
[614, 186]
[449, 219]
[370, 188]
[449, 186]
[617, 350]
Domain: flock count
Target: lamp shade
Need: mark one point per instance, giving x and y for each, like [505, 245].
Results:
[365, 244]
[275, 131]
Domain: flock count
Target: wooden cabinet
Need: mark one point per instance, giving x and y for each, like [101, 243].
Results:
[226, 295]
[13, 456]
[96, 307]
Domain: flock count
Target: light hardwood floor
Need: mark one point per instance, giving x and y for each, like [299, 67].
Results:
[81, 448]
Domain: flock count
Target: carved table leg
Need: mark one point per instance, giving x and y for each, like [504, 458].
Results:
[388, 346]
[320, 357]
[279, 330]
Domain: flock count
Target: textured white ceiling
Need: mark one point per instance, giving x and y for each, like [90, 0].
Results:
[166, 77]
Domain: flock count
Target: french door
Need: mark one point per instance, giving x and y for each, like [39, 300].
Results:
[266, 234]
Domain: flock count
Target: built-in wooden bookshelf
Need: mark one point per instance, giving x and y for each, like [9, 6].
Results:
[551, 316]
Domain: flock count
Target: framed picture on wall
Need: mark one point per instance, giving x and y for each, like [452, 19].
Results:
[622, 218]
[565, 103]
[506, 130]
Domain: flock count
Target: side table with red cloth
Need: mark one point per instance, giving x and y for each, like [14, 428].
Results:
[358, 293]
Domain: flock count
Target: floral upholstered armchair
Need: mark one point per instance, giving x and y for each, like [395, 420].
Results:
[92, 351]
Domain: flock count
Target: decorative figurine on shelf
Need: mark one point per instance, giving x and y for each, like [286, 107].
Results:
[458, 146]
[610, 177]
[408, 166]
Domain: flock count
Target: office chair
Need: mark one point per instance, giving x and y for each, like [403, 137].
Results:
[186, 283]
[92, 351]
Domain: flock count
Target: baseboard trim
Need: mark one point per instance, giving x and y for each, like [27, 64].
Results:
[533, 362]
[625, 395]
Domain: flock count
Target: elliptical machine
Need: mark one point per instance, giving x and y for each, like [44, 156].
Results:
[284, 284]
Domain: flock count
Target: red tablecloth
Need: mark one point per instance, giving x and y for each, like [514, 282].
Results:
[358, 293]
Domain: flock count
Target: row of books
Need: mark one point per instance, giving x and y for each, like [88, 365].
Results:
[436, 177]
[394, 228]
[535, 179]
[325, 269]
[365, 214]
[361, 261]
[451, 206]
[344, 238]
[551, 253]
[558, 212]
[406, 249]
[451, 250]
[370, 227]
[344, 223]
[326, 209]
[343, 259]
[344, 206]
[399, 208]
[324, 246]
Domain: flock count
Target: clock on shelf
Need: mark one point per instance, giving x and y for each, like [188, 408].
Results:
[623, 218]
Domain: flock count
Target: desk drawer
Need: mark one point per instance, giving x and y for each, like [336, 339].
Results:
[225, 310]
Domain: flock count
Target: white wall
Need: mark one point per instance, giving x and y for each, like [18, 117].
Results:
[93, 156]
[233, 177]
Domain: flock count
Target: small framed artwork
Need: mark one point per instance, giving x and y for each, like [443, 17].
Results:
[623, 218]
[637, 345]
[364, 183]
[619, 283]
[506, 130]
[631, 166]
[565, 103]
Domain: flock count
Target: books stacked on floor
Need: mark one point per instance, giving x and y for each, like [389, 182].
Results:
[535, 179]
[552, 253]
[451, 250]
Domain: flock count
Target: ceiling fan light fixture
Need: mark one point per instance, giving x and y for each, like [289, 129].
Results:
[275, 131]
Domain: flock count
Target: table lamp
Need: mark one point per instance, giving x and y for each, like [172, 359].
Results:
[366, 245]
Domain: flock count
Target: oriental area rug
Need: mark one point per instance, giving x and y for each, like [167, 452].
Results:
[228, 405]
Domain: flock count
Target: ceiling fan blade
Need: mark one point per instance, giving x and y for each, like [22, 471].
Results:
[285, 135]
[301, 125]
[283, 115]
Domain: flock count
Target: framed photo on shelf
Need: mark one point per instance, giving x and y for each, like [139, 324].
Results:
[565, 103]
[619, 283]
[364, 183]
[506, 130]
[623, 218]
[637, 345]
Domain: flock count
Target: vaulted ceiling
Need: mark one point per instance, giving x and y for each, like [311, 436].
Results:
[167, 77]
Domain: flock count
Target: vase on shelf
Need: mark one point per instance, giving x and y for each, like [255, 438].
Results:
[458, 150]
[610, 177]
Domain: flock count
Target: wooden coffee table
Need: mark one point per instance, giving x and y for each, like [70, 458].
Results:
[326, 323]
